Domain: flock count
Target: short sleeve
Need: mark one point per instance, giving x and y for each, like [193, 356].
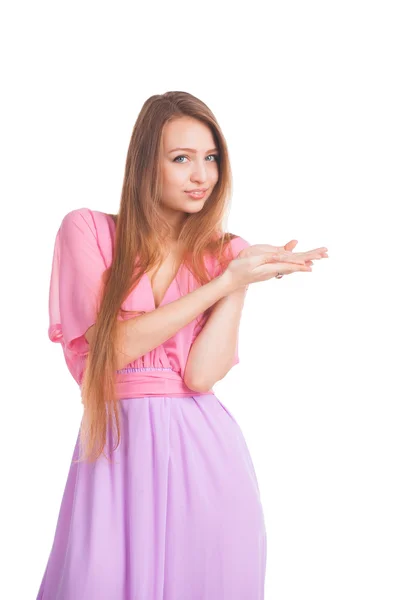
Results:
[76, 281]
[237, 244]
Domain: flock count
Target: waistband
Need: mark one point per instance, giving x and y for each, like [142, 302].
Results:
[136, 382]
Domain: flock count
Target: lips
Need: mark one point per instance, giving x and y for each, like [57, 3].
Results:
[196, 195]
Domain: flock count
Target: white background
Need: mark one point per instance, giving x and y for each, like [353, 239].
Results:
[307, 95]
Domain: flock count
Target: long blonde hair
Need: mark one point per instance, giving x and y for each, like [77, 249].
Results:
[141, 231]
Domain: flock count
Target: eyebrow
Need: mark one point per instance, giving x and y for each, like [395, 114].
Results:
[191, 150]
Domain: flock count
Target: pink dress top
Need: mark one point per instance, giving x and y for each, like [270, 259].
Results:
[83, 251]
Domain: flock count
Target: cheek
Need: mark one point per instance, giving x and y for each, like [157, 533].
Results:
[174, 177]
[213, 176]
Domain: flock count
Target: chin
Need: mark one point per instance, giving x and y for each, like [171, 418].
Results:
[194, 206]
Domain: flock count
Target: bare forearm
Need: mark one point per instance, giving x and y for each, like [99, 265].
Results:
[139, 335]
[212, 353]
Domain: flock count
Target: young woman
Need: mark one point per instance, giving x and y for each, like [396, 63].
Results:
[161, 501]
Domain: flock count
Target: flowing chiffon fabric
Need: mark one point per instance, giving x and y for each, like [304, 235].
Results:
[175, 514]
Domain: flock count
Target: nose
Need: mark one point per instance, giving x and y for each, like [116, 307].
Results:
[199, 172]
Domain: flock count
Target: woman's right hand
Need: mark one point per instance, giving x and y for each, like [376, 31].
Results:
[242, 271]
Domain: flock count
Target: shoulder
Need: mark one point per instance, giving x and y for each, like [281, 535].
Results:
[79, 218]
[237, 244]
[77, 223]
[88, 223]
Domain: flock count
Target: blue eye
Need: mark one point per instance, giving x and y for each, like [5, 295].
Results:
[183, 156]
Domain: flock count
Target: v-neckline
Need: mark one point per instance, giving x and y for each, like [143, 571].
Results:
[166, 291]
[146, 276]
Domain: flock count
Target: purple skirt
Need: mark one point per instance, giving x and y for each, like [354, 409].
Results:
[174, 515]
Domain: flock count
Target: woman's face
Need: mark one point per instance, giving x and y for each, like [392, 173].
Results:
[186, 170]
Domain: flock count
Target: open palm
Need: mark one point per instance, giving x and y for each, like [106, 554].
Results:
[285, 252]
